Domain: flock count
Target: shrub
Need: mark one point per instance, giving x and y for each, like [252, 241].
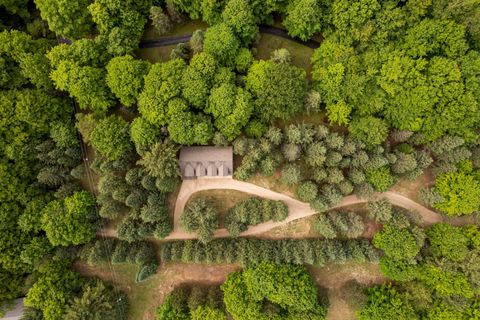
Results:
[146, 271]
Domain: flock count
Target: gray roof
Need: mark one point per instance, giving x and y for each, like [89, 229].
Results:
[207, 161]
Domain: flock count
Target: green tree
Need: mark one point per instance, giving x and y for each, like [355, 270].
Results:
[70, 221]
[208, 313]
[307, 191]
[339, 113]
[397, 243]
[460, 192]
[369, 130]
[386, 303]
[448, 241]
[125, 78]
[380, 178]
[303, 18]
[111, 137]
[98, 301]
[86, 84]
[66, 18]
[160, 21]
[239, 16]
[278, 89]
[197, 79]
[231, 107]
[221, 43]
[201, 217]
[55, 286]
[161, 160]
[143, 134]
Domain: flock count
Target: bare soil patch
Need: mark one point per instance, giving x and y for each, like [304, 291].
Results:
[332, 278]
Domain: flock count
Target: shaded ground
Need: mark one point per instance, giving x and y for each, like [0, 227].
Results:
[145, 297]
[222, 200]
[333, 277]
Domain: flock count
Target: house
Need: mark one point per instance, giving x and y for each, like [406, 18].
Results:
[206, 162]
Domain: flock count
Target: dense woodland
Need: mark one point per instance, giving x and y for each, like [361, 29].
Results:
[397, 82]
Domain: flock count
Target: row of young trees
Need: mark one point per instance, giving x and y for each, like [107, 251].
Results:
[111, 250]
[248, 251]
[253, 211]
[436, 273]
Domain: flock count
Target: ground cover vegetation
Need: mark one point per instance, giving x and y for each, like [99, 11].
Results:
[265, 291]
[398, 82]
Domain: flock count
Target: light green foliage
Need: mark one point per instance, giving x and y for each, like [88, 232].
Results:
[66, 18]
[221, 43]
[460, 192]
[397, 243]
[303, 18]
[385, 302]
[110, 137]
[286, 286]
[339, 113]
[348, 15]
[162, 83]
[70, 221]
[369, 129]
[380, 178]
[448, 241]
[84, 52]
[161, 160]
[239, 16]
[197, 79]
[125, 78]
[56, 284]
[231, 107]
[86, 84]
[186, 127]
[120, 23]
[208, 313]
[243, 60]
[278, 89]
[200, 216]
[143, 133]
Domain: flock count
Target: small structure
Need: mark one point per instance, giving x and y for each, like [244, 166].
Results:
[16, 312]
[206, 162]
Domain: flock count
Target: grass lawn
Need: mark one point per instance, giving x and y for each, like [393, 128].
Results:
[334, 280]
[185, 28]
[300, 53]
[222, 199]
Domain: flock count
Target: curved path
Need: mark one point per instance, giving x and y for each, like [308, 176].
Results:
[297, 209]
[166, 41]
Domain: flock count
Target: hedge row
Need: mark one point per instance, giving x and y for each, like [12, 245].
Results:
[249, 252]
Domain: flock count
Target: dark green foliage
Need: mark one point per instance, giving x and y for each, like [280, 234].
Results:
[98, 301]
[380, 210]
[339, 224]
[161, 160]
[200, 216]
[253, 211]
[248, 251]
[146, 271]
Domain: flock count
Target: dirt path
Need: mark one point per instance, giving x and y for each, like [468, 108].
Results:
[297, 208]
[167, 41]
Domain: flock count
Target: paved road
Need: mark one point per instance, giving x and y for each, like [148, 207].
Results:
[296, 208]
[167, 41]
